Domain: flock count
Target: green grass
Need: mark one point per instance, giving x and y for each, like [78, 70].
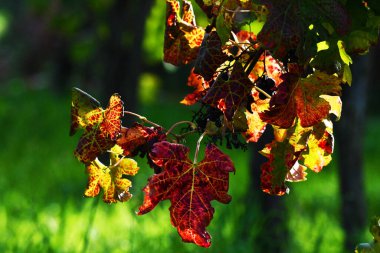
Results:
[43, 209]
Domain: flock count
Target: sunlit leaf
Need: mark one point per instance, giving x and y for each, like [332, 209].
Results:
[101, 126]
[302, 97]
[182, 37]
[320, 146]
[281, 159]
[189, 187]
[199, 84]
[256, 126]
[111, 178]
[139, 139]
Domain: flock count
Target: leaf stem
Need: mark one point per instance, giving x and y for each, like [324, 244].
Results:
[253, 60]
[193, 126]
[195, 161]
[144, 119]
[262, 91]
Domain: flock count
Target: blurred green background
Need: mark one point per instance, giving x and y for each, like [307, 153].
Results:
[106, 46]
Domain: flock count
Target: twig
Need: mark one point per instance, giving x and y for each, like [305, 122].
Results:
[193, 126]
[195, 161]
[262, 91]
[142, 118]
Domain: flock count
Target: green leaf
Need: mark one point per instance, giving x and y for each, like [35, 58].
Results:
[223, 29]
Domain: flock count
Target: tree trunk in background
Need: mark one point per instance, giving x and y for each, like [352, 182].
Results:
[350, 132]
[273, 235]
[123, 49]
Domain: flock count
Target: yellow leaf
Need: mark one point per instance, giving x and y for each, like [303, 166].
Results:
[110, 178]
[345, 57]
[347, 75]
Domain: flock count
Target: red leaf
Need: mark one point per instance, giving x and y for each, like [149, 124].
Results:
[189, 187]
[182, 37]
[231, 93]
[210, 56]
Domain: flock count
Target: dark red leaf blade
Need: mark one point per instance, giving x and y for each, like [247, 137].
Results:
[210, 56]
[232, 93]
[189, 187]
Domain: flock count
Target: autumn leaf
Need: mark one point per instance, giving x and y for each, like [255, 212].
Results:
[256, 126]
[210, 56]
[282, 159]
[189, 187]
[228, 95]
[139, 139]
[101, 126]
[182, 37]
[302, 97]
[199, 84]
[83, 109]
[269, 66]
[287, 24]
[111, 178]
[320, 146]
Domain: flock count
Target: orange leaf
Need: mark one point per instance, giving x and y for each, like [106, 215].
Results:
[302, 97]
[256, 126]
[196, 81]
[182, 37]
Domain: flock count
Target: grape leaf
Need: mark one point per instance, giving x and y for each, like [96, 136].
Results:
[302, 97]
[139, 138]
[189, 187]
[210, 57]
[111, 178]
[287, 24]
[101, 127]
[269, 66]
[282, 165]
[182, 37]
[320, 146]
[232, 92]
[196, 81]
[256, 126]
[83, 108]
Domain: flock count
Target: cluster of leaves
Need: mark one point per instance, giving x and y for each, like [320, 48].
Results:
[261, 64]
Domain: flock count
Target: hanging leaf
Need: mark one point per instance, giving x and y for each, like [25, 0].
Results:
[139, 139]
[199, 84]
[320, 146]
[281, 166]
[182, 37]
[228, 95]
[189, 187]
[111, 178]
[210, 57]
[301, 97]
[101, 126]
[256, 126]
